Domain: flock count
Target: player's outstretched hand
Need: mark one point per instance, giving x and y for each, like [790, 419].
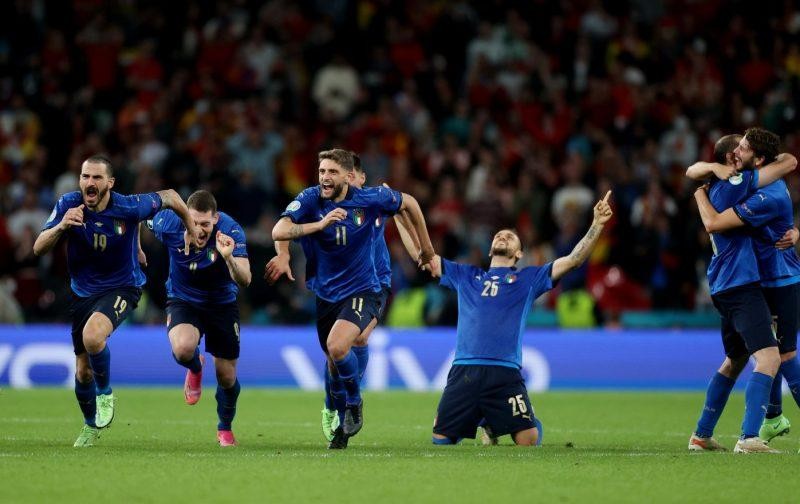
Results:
[72, 217]
[602, 210]
[335, 215]
[723, 172]
[788, 240]
[224, 245]
[277, 267]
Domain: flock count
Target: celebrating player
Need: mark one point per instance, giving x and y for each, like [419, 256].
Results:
[201, 300]
[734, 276]
[485, 383]
[280, 265]
[338, 221]
[106, 280]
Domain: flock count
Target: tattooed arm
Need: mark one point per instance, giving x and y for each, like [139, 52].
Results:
[602, 214]
[285, 229]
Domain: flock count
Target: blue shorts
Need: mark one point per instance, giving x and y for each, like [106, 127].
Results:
[219, 324]
[784, 304]
[746, 320]
[385, 294]
[116, 304]
[360, 308]
[496, 393]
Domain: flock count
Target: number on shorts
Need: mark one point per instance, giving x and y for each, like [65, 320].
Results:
[490, 288]
[119, 306]
[358, 304]
[518, 406]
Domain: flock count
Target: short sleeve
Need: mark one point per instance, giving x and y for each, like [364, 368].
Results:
[301, 209]
[539, 278]
[758, 209]
[164, 222]
[145, 206]
[57, 214]
[388, 200]
[235, 231]
[453, 274]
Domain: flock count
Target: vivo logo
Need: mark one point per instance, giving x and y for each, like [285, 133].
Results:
[21, 361]
[382, 359]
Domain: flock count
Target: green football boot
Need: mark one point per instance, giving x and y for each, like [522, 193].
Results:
[105, 410]
[774, 427]
[330, 421]
[87, 437]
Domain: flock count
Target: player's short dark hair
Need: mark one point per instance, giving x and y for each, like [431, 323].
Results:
[357, 162]
[764, 143]
[202, 201]
[724, 146]
[101, 159]
[343, 158]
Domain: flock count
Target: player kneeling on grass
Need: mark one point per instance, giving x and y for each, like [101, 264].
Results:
[485, 384]
[100, 226]
[201, 300]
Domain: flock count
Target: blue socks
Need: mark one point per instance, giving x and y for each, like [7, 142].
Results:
[774, 408]
[194, 365]
[791, 371]
[101, 367]
[362, 354]
[540, 427]
[87, 400]
[347, 368]
[756, 397]
[226, 405]
[444, 441]
[719, 389]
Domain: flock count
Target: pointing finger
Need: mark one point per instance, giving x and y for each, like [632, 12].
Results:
[608, 195]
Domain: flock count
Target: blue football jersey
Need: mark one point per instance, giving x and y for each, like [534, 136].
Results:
[769, 211]
[383, 265]
[102, 254]
[342, 254]
[493, 307]
[734, 261]
[202, 277]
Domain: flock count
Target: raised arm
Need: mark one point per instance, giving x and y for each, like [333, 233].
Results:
[783, 165]
[280, 264]
[714, 221]
[285, 229]
[172, 200]
[703, 171]
[408, 235]
[602, 214]
[417, 219]
[48, 238]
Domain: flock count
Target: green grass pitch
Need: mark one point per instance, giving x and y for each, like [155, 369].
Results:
[598, 447]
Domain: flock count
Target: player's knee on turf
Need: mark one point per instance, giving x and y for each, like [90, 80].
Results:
[95, 332]
[440, 440]
[528, 437]
[788, 356]
[768, 360]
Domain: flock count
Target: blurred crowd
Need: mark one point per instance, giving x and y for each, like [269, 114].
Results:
[491, 113]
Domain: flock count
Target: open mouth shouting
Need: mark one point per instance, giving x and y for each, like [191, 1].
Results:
[327, 189]
[90, 195]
